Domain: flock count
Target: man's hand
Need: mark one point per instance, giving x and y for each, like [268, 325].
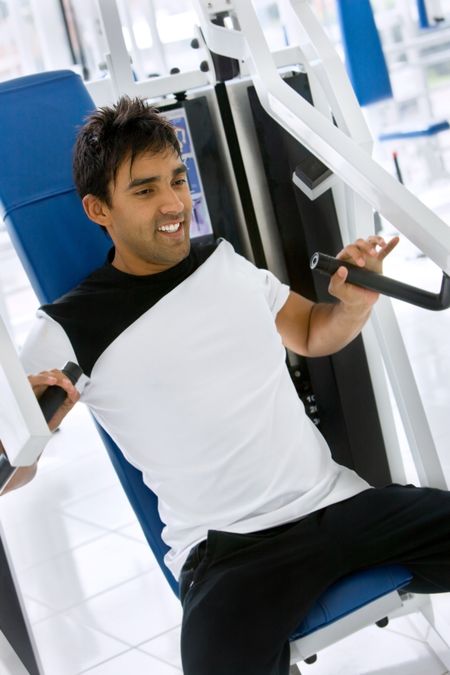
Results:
[40, 383]
[318, 329]
[368, 253]
[50, 378]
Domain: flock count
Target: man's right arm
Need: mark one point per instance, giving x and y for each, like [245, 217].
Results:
[40, 383]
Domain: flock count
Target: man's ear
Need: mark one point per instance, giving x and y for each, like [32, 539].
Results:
[97, 210]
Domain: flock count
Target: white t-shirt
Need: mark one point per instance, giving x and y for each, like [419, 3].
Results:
[197, 395]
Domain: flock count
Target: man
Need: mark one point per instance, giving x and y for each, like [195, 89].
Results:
[183, 353]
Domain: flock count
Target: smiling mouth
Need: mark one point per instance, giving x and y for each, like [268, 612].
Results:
[171, 228]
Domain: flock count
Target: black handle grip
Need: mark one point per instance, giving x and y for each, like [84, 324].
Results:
[326, 264]
[54, 396]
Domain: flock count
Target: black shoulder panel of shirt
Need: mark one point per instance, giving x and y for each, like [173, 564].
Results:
[99, 309]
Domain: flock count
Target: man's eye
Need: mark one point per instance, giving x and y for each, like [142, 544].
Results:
[181, 181]
[145, 191]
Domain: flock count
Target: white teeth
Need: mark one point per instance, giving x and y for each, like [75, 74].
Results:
[169, 228]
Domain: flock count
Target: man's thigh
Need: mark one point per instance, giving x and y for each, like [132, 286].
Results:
[396, 524]
[227, 631]
[249, 596]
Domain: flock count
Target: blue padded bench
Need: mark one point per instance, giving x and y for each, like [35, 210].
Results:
[352, 593]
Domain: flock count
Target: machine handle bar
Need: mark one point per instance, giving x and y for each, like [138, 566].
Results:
[326, 264]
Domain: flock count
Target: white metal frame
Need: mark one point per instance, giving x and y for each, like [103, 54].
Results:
[383, 334]
[120, 79]
[23, 429]
[337, 150]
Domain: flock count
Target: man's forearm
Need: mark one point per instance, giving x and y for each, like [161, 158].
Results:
[333, 326]
[319, 329]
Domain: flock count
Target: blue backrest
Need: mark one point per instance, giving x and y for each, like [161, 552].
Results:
[57, 244]
[364, 56]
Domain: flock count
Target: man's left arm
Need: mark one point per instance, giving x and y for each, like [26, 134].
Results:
[318, 329]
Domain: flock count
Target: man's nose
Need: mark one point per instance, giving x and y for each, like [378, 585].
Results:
[171, 202]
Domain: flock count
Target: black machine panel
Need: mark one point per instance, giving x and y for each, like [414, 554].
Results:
[336, 390]
[345, 399]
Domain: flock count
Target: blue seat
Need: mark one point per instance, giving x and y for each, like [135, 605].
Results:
[351, 593]
[59, 246]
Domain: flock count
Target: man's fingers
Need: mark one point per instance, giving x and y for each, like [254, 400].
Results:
[361, 249]
[391, 244]
[337, 285]
[368, 252]
[51, 378]
[354, 252]
[41, 381]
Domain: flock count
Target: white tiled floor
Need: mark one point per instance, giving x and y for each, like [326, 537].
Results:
[93, 591]
[95, 597]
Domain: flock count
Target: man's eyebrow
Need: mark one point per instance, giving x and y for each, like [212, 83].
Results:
[181, 168]
[148, 180]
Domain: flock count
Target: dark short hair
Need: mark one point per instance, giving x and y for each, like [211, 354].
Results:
[110, 135]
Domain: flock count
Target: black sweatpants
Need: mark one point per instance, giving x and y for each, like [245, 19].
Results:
[244, 594]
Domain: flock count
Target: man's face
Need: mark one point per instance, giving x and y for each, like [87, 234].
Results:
[151, 212]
